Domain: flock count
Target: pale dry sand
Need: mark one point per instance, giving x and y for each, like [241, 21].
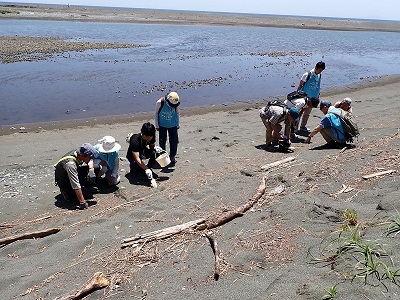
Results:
[265, 253]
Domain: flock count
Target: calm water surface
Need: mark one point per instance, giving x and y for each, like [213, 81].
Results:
[206, 65]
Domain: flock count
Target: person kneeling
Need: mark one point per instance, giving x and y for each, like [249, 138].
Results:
[107, 162]
[141, 147]
[331, 127]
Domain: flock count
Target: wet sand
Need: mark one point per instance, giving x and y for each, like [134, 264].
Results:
[267, 253]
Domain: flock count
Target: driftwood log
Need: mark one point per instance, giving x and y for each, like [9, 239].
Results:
[277, 163]
[378, 174]
[199, 224]
[161, 234]
[29, 235]
[97, 282]
[214, 247]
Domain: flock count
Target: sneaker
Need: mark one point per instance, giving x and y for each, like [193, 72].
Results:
[293, 135]
[304, 128]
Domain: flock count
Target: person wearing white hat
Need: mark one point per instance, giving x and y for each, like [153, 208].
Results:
[107, 161]
[345, 104]
[166, 120]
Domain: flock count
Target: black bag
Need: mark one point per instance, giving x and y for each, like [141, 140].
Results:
[296, 95]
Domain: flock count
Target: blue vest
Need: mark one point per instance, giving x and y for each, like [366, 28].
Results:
[336, 123]
[312, 86]
[109, 158]
[168, 117]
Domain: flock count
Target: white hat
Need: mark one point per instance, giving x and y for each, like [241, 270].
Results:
[108, 145]
[347, 100]
[173, 97]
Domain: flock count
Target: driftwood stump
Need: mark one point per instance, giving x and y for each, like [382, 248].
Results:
[214, 247]
[97, 282]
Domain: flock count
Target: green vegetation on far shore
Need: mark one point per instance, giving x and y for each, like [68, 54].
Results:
[6, 11]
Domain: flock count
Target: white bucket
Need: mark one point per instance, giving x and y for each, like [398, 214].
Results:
[163, 160]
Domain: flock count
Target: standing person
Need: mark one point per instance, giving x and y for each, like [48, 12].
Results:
[272, 115]
[310, 83]
[69, 173]
[108, 160]
[166, 120]
[141, 147]
[345, 104]
[331, 127]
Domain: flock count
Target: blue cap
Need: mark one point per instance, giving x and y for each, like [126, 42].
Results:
[87, 150]
[325, 103]
[294, 113]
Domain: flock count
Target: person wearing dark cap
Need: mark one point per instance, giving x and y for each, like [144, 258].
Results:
[142, 146]
[345, 104]
[166, 120]
[70, 175]
[272, 115]
[301, 104]
[330, 127]
[310, 83]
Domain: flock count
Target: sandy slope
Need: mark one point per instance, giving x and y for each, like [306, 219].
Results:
[266, 252]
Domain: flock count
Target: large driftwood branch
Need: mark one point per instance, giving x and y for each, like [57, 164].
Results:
[97, 282]
[277, 163]
[378, 174]
[214, 246]
[29, 235]
[161, 234]
[199, 224]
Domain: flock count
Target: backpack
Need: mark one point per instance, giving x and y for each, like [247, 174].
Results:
[296, 95]
[349, 124]
[277, 103]
[299, 94]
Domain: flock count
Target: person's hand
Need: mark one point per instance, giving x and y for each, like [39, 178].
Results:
[308, 140]
[149, 174]
[92, 176]
[158, 149]
[158, 129]
[83, 205]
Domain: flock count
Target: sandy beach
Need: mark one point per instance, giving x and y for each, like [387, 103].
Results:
[281, 248]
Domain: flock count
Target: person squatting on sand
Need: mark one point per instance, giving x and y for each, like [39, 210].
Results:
[301, 104]
[272, 115]
[142, 146]
[107, 161]
[166, 120]
[70, 175]
[345, 104]
[310, 83]
[331, 127]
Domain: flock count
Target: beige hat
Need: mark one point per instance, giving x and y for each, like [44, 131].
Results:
[347, 100]
[108, 145]
[173, 97]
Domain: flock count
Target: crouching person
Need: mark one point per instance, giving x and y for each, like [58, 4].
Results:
[107, 161]
[70, 174]
[272, 115]
[141, 147]
[331, 127]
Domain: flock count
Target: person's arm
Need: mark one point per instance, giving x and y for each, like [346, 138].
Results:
[72, 171]
[314, 132]
[138, 160]
[178, 114]
[115, 170]
[157, 109]
[80, 197]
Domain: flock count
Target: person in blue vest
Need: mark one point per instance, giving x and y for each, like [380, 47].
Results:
[330, 127]
[166, 119]
[310, 83]
[70, 174]
[107, 161]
